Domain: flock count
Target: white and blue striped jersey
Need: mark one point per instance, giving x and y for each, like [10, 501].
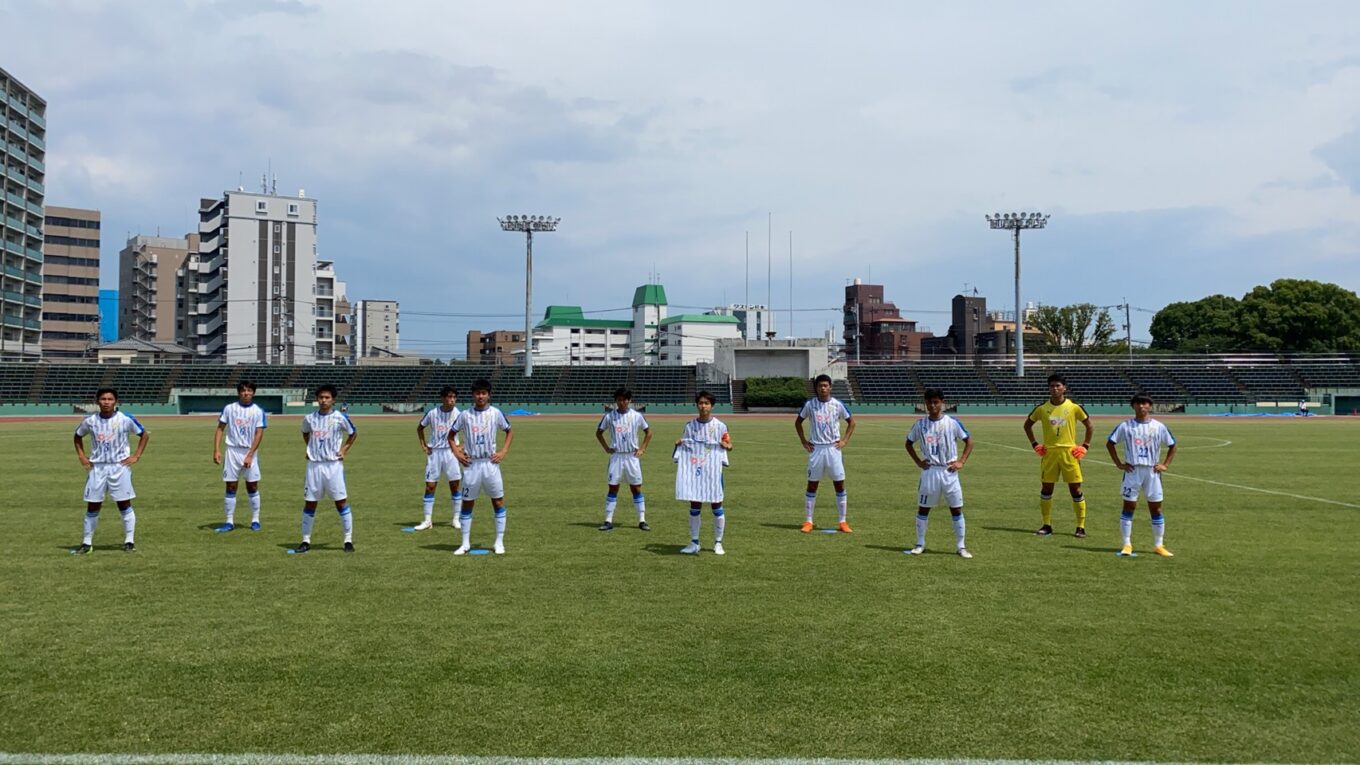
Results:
[703, 435]
[1143, 441]
[242, 422]
[826, 419]
[699, 462]
[938, 439]
[326, 434]
[109, 443]
[625, 427]
[440, 424]
[478, 429]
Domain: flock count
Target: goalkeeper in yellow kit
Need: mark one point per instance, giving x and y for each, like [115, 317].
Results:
[1060, 453]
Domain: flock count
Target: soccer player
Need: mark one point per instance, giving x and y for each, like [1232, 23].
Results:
[1142, 438]
[481, 462]
[939, 434]
[700, 454]
[109, 464]
[328, 434]
[625, 456]
[1060, 453]
[439, 456]
[244, 423]
[824, 450]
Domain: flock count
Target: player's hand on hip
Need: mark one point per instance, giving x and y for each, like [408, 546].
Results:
[428, 450]
[955, 466]
[1041, 450]
[841, 443]
[807, 447]
[497, 457]
[85, 463]
[639, 453]
[341, 455]
[464, 461]
[1158, 468]
[130, 461]
[609, 450]
[1124, 466]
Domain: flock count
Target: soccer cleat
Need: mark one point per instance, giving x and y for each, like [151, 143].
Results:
[498, 548]
[1162, 551]
[690, 549]
[423, 525]
[718, 549]
[349, 547]
[1080, 533]
[606, 526]
[129, 547]
[844, 528]
[1126, 551]
[457, 524]
[224, 528]
[84, 549]
[963, 553]
[1044, 531]
[917, 550]
[254, 525]
[643, 526]
[462, 550]
[302, 548]
[807, 528]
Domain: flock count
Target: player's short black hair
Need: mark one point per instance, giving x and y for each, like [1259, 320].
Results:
[240, 386]
[933, 394]
[481, 383]
[1055, 377]
[102, 391]
[327, 388]
[822, 379]
[623, 393]
[703, 394]
[446, 390]
[1141, 398]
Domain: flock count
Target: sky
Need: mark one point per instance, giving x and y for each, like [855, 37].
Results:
[1182, 149]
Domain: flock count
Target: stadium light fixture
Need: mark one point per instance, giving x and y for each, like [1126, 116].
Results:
[1014, 222]
[529, 224]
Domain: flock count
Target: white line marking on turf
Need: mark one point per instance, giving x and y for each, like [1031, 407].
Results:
[1222, 442]
[261, 758]
[1216, 483]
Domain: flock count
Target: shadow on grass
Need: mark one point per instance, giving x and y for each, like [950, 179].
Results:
[1106, 550]
[70, 549]
[902, 550]
[790, 526]
[656, 548]
[586, 524]
[210, 526]
[440, 547]
[316, 546]
[1012, 530]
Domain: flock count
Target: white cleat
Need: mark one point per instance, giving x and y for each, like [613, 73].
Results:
[462, 550]
[690, 549]
[963, 553]
[424, 525]
[917, 550]
[457, 524]
[499, 548]
[718, 549]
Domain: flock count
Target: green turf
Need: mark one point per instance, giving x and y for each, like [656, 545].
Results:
[1241, 648]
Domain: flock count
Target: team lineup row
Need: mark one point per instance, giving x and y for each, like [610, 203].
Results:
[462, 447]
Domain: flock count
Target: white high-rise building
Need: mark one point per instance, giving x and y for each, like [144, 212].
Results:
[377, 324]
[753, 321]
[649, 308]
[252, 285]
[332, 341]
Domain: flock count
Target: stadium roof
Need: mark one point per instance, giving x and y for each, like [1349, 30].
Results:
[649, 294]
[699, 318]
[571, 316]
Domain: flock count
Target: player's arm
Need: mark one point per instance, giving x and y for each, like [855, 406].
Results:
[142, 439]
[958, 464]
[798, 426]
[344, 448]
[254, 446]
[1090, 430]
[1033, 442]
[420, 436]
[1114, 456]
[849, 431]
[911, 452]
[80, 451]
[646, 439]
[217, 442]
[599, 436]
[509, 438]
[1165, 464]
[458, 452]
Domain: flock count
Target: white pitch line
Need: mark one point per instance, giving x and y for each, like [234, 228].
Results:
[261, 758]
[1215, 483]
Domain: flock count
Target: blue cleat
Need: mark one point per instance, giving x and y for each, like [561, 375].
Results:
[224, 528]
[254, 525]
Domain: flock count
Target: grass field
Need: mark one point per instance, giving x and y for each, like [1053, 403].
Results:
[1243, 648]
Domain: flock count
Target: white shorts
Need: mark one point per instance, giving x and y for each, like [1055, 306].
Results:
[482, 476]
[624, 468]
[325, 478]
[233, 470]
[112, 477]
[937, 482]
[1143, 479]
[442, 462]
[824, 461]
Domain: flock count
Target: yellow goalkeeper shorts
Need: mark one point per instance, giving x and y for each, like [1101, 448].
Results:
[1059, 463]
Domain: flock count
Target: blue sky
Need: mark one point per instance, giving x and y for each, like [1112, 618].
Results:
[1183, 149]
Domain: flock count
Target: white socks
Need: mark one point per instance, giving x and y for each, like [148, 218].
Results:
[809, 504]
[428, 502]
[611, 501]
[922, 521]
[347, 523]
[465, 521]
[308, 518]
[91, 520]
[719, 523]
[500, 525]
[254, 506]
[1126, 526]
[694, 519]
[129, 524]
[640, 504]
[958, 529]
[1158, 529]
[229, 504]
[840, 505]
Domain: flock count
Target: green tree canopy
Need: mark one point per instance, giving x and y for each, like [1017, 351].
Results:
[1079, 328]
[1301, 315]
[1207, 325]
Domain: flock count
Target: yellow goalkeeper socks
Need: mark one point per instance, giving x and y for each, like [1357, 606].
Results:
[1046, 508]
[1079, 507]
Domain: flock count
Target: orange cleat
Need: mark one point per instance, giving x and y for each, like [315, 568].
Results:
[807, 528]
[844, 528]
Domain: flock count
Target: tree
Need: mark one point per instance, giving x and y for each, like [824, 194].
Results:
[1074, 328]
[1207, 325]
[1301, 315]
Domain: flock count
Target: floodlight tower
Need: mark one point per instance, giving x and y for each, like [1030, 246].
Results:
[1013, 222]
[528, 224]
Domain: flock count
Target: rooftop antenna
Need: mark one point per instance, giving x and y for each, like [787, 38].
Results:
[769, 265]
[264, 183]
[748, 267]
[790, 283]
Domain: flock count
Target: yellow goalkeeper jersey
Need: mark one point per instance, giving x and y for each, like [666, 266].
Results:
[1059, 421]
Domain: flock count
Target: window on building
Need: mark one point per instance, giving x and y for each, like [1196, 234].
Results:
[261, 206]
[293, 208]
